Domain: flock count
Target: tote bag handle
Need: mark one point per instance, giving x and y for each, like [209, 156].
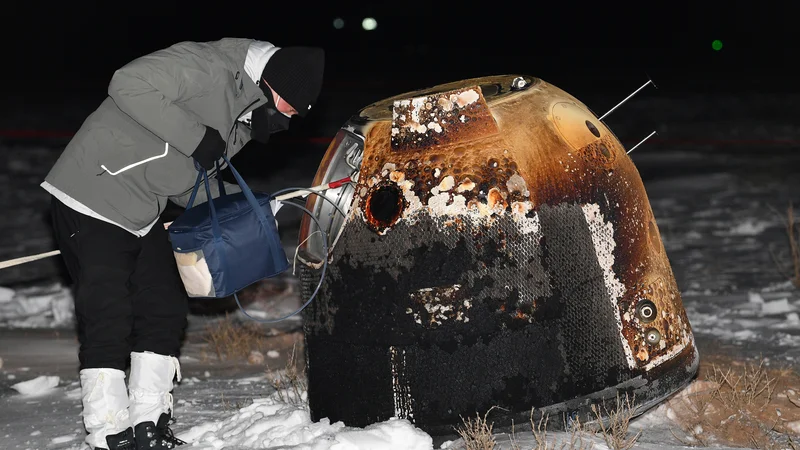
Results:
[200, 172]
[251, 199]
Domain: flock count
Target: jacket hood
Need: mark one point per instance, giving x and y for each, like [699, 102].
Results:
[258, 54]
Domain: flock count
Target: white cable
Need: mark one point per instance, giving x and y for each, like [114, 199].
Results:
[26, 259]
[297, 249]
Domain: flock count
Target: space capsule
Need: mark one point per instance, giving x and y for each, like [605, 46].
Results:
[497, 249]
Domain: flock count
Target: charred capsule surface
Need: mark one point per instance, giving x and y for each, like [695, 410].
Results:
[498, 249]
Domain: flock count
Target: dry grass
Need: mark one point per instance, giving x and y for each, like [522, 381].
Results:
[539, 431]
[614, 428]
[794, 237]
[739, 390]
[234, 406]
[233, 340]
[477, 433]
[290, 384]
[738, 404]
[793, 233]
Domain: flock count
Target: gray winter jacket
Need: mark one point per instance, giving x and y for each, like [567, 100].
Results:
[133, 153]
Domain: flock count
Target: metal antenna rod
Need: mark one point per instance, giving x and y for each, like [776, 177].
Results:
[626, 99]
[641, 142]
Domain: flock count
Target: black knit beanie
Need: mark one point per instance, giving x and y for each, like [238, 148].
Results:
[295, 73]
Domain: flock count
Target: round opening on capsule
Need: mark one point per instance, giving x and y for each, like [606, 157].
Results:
[646, 311]
[384, 206]
[592, 128]
[652, 336]
[604, 151]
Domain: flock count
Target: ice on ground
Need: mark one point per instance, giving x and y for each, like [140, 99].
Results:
[73, 394]
[63, 439]
[393, 434]
[46, 306]
[272, 422]
[38, 386]
[755, 297]
[748, 227]
[769, 315]
[781, 306]
[6, 294]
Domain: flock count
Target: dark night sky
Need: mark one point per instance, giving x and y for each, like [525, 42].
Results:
[81, 43]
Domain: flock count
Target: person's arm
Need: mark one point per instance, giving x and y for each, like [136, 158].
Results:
[151, 88]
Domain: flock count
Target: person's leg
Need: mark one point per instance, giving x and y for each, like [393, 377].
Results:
[159, 300]
[100, 258]
[160, 306]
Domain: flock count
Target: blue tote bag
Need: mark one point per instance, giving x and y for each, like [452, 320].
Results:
[228, 243]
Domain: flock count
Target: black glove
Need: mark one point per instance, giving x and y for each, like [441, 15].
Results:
[210, 149]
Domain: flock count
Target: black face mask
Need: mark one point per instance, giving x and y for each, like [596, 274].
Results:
[267, 120]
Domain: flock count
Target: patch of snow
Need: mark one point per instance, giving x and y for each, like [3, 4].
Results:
[755, 297]
[6, 294]
[788, 340]
[48, 306]
[696, 293]
[38, 386]
[748, 227]
[393, 434]
[270, 422]
[781, 306]
[73, 394]
[249, 380]
[745, 335]
[693, 235]
[63, 439]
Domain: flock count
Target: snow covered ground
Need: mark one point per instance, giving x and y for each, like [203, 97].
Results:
[719, 207]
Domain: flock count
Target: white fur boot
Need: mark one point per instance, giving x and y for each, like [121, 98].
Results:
[150, 385]
[105, 408]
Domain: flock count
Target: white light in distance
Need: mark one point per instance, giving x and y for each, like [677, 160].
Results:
[369, 23]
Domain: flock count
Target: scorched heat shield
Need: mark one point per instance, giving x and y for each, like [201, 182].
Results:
[498, 249]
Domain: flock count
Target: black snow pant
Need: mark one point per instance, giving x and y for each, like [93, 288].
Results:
[128, 293]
